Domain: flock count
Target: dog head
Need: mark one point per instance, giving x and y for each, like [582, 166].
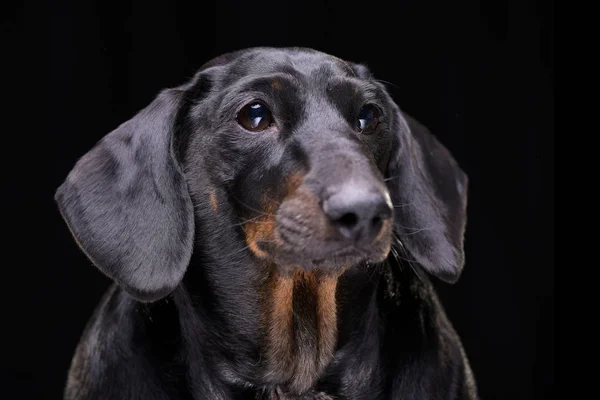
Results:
[307, 152]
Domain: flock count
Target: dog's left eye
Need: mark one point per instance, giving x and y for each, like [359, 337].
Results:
[255, 117]
[368, 119]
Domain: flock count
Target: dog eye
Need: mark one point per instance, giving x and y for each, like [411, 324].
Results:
[255, 117]
[368, 119]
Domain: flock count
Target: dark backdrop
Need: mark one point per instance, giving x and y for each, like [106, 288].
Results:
[479, 75]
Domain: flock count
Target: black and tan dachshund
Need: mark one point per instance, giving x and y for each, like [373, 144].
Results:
[270, 227]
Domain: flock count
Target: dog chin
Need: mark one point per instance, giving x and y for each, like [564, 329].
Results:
[334, 263]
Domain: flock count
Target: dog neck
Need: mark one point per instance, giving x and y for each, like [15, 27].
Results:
[285, 327]
[284, 324]
[300, 326]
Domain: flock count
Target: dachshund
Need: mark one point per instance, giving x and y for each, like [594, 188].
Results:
[270, 229]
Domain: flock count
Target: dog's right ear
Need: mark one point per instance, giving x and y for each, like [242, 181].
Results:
[127, 204]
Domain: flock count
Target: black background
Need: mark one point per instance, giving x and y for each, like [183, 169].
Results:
[479, 75]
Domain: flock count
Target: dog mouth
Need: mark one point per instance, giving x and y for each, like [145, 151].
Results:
[305, 246]
[344, 257]
[323, 259]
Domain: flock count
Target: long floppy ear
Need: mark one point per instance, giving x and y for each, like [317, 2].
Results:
[127, 205]
[429, 191]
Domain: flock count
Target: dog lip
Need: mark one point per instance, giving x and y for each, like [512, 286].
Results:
[346, 251]
[287, 235]
[287, 226]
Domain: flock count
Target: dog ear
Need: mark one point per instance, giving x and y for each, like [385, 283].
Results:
[429, 192]
[127, 205]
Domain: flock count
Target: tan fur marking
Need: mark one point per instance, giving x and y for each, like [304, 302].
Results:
[262, 228]
[294, 364]
[293, 181]
[214, 204]
[300, 317]
[326, 318]
[253, 246]
[276, 84]
[280, 333]
[256, 230]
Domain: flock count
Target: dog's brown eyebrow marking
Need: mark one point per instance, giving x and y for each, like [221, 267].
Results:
[214, 203]
[276, 84]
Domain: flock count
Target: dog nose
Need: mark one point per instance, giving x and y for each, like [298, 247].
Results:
[358, 211]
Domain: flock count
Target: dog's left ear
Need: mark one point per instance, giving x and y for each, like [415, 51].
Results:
[429, 192]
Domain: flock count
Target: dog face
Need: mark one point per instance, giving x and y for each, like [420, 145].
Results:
[307, 153]
[297, 146]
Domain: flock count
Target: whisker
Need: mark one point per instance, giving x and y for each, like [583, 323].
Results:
[399, 257]
[387, 83]
[391, 177]
[412, 231]
[248, 246]
[240, 250]
[402, 205]
[253, 220]
[253, 209]
[415, 231]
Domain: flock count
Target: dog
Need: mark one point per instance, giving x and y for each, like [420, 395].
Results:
[271, 228]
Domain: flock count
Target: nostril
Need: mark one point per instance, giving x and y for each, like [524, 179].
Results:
[348, 220]
[348, 224]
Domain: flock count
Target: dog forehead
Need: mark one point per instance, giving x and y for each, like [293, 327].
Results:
[311, 64]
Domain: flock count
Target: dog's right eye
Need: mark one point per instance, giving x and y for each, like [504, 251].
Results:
[255, 117]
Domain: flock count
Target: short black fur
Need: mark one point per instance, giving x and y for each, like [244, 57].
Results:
[208, 230]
